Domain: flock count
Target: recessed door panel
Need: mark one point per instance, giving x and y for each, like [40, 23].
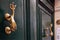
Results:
[46, 21]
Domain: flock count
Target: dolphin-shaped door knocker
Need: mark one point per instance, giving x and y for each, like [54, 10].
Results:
[10, 19]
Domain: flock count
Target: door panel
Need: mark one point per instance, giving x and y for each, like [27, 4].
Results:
[46, 19]
[4, 8]
[45, 23]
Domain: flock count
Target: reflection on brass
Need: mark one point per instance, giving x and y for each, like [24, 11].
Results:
[58, 22]
[8, 30]
[51, 33]
[7, 16]
[10, 18]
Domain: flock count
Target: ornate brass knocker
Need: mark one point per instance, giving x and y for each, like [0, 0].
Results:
[11, 20]
[51, 33]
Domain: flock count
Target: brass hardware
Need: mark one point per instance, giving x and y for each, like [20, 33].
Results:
[7, 30]
[11, 20]
[51, 33]
[48, 29]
